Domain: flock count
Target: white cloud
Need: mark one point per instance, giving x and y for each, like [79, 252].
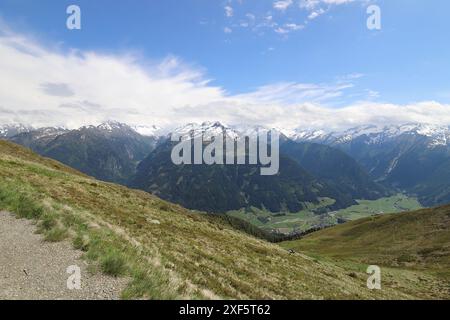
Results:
[229, 11]
[281, 30]
[38, 85]
[280, 22]
[295, 93]
[47, 87]
[282, 5]
[317, 8]
[288, 27]
[316, 13]
[250, 16]
[293, 26]
[316, 116]
[312, 4]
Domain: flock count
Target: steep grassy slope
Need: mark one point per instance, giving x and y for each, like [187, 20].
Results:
[416, 242]
[422, 237]
[167, 251]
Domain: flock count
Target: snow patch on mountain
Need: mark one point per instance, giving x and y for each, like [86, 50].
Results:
[50, 132]
[10, 130]
[369, 134]
[148, 131]
[212, 129]
[437, 135]
[111, 126]
[205, 129]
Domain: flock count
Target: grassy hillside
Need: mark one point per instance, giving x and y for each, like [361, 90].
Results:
[166, 251]
[416, 244]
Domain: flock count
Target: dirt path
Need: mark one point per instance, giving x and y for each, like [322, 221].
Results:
[33, 269]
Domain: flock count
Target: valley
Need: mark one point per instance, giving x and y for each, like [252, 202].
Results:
[413, 158]
[294, 223]
[365, 208]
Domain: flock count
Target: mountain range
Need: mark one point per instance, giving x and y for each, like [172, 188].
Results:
[220, 188]
[110, 151]
[10, 130]
[366, 162]
[413, 158]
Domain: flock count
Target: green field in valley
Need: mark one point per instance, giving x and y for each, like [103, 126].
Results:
[307, 219]
[286, 222]
[365, 208]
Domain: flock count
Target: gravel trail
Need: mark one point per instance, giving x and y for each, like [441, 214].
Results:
[31, 268]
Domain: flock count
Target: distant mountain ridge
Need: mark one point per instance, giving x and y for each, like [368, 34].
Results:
[10, 130]
[412, 158]
[336, 168]
[220, 188]
[436, 135]
[109, 151]
[230, 187]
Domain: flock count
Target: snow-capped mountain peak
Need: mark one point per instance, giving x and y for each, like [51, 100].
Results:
[148, 130]
[438, 135]
[49, 132]
[195, 130]
[210, 129]
[144, 130]
[111, 126]
[10, 130]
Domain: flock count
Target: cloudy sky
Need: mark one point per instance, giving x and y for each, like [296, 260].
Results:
[285, 63]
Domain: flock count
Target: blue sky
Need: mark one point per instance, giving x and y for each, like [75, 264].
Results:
[245, 48]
